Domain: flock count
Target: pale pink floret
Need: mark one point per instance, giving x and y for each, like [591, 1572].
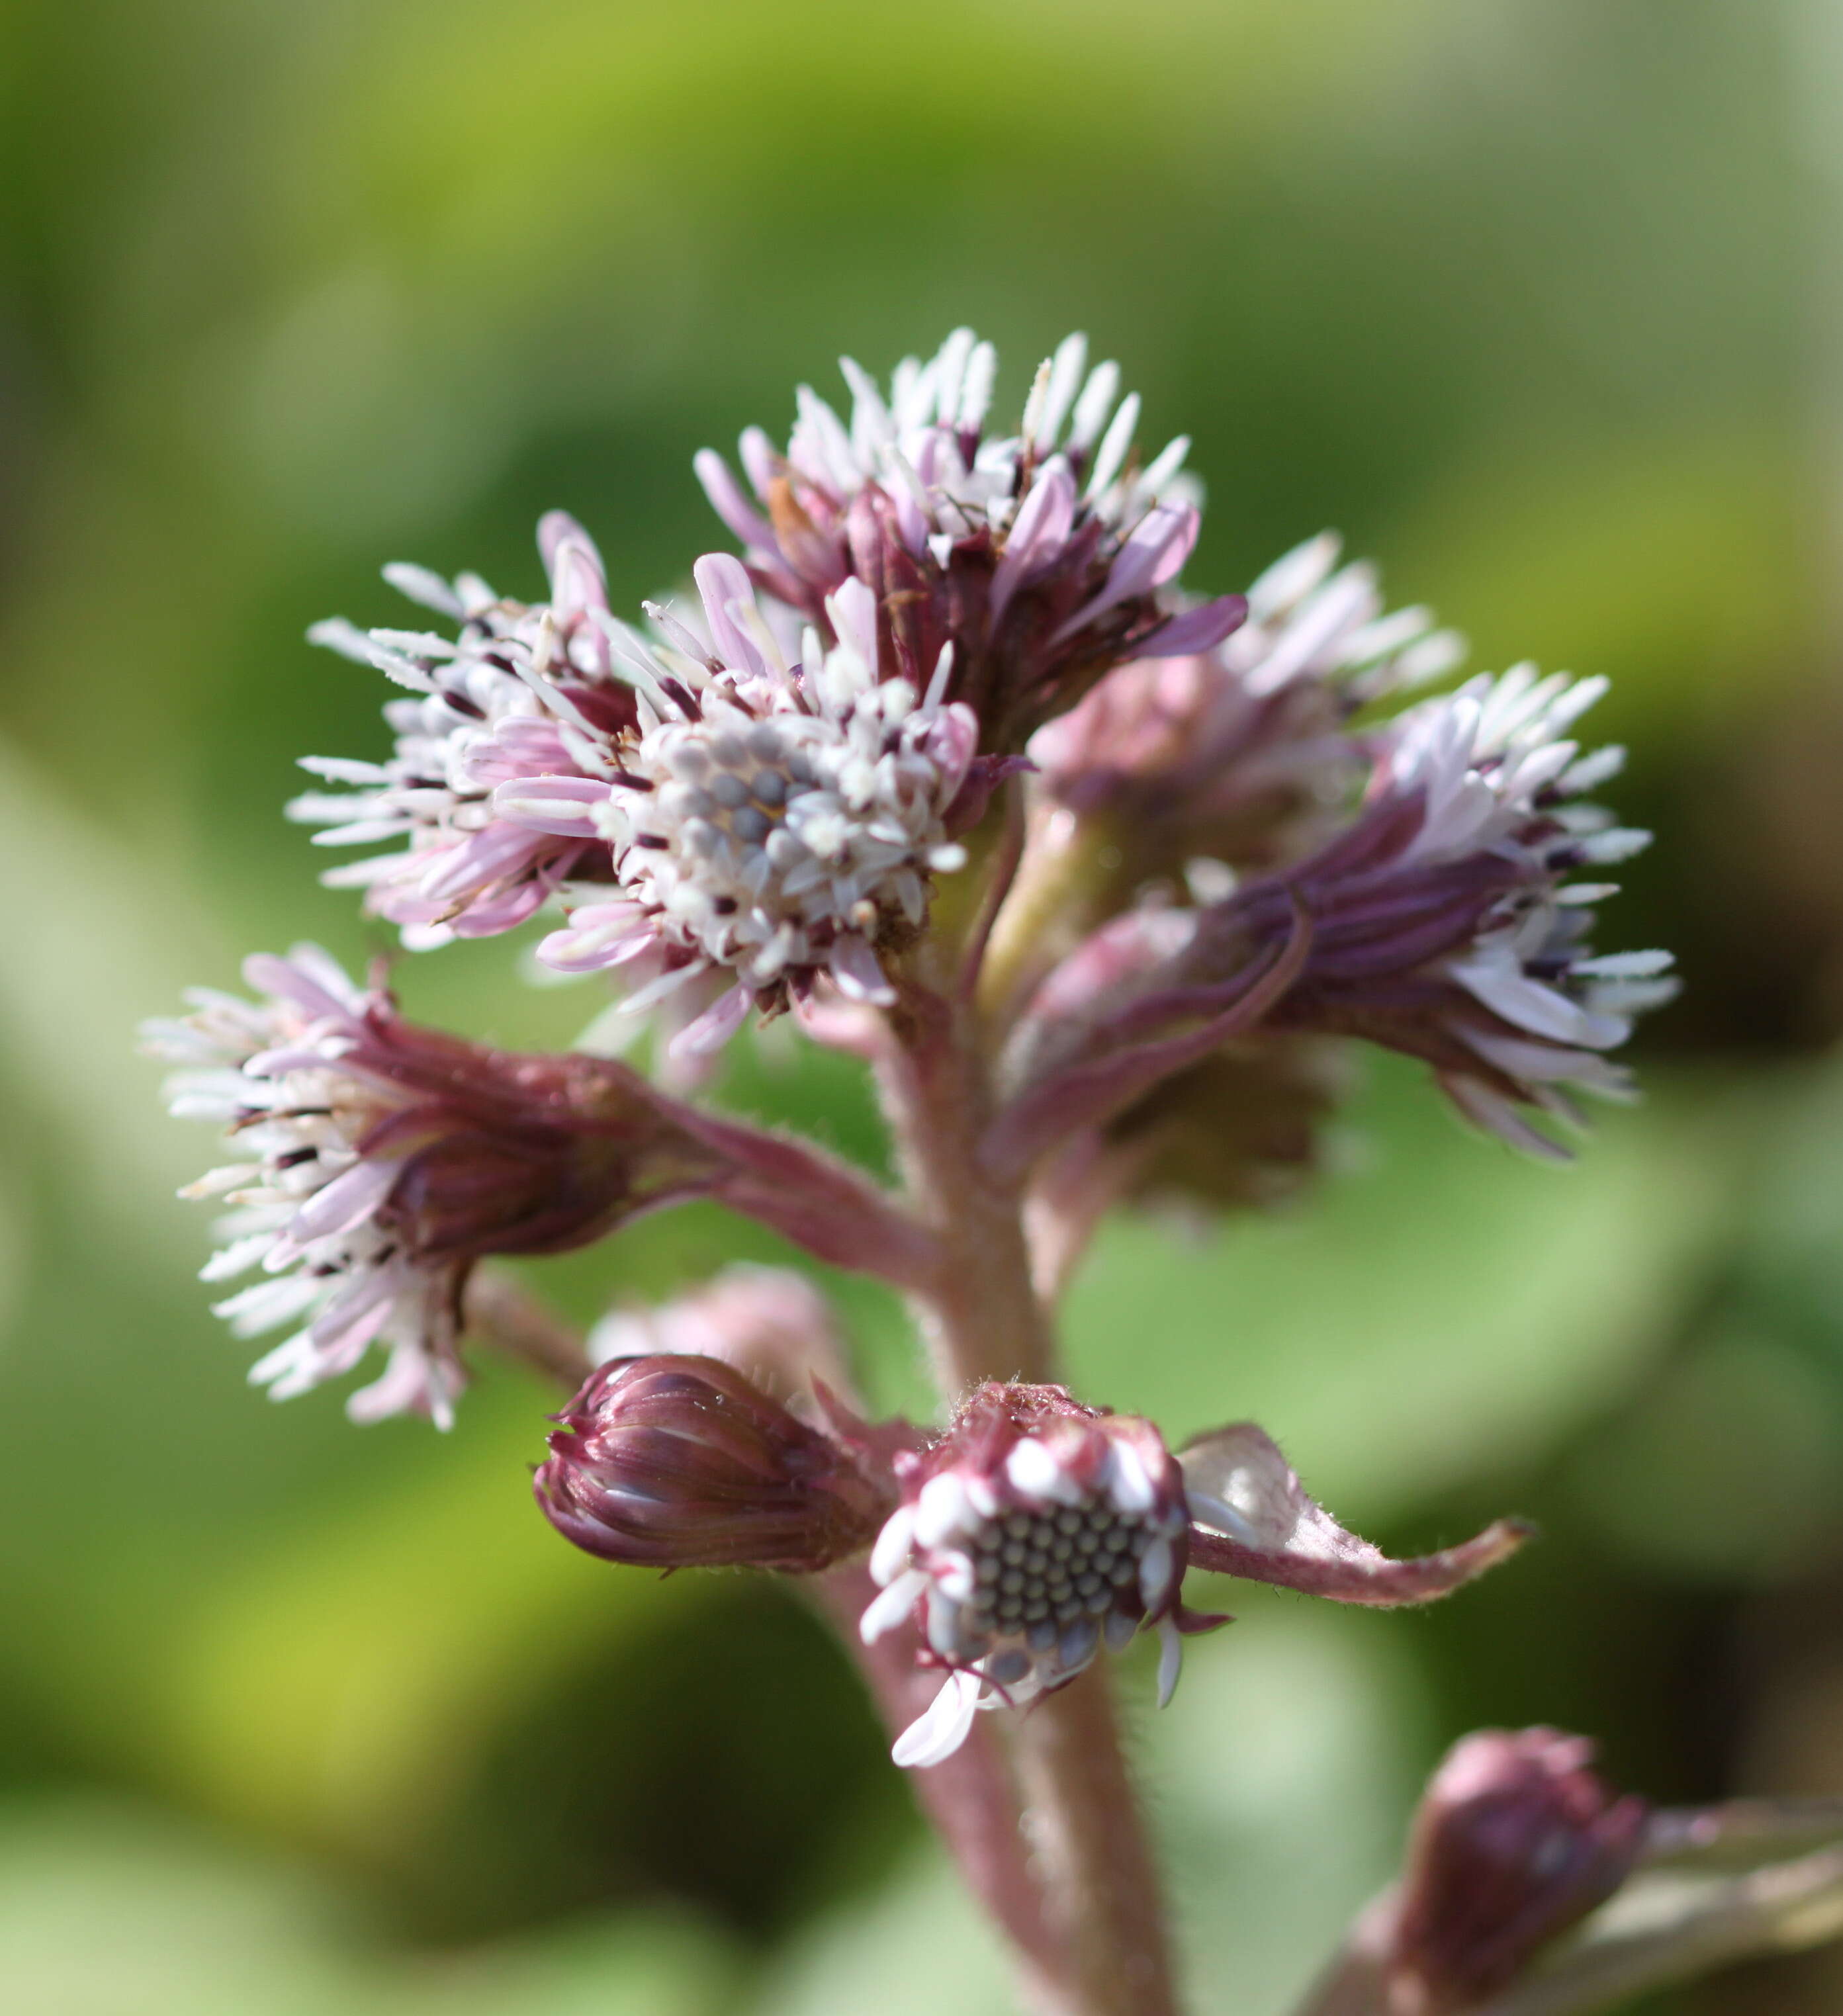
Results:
[284, 1077]
[499, 761]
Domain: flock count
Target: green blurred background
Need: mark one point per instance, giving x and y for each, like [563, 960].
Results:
[1537, 300]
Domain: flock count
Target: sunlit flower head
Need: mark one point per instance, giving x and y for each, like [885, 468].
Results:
[1452, 918]
[777, 817]
[1047, 553]
[522, 691]
[1034, 1533]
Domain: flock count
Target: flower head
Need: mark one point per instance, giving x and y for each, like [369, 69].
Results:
[1034, 1531]
[681, 1461]
[376, 1161]
[1446, 921]
[1041, 554]
[771, 821]
[522, 693]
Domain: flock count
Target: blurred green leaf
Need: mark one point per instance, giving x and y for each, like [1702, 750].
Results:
[109, 1912]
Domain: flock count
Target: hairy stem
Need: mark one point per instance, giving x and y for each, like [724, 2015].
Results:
[971, 1798]
[984, 1320]
[501, 1311]
[980, 1314]
[1083, 1817]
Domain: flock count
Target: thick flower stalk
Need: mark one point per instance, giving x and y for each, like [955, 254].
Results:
[1103, 883]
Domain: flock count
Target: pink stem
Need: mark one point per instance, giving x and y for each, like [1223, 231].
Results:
[984, 1320]
[501, 1311]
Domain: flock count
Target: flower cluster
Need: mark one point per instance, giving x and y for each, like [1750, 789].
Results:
[1039, 555]
[750, 807]
[1213, 867]
[770, 822]
[1100, 880]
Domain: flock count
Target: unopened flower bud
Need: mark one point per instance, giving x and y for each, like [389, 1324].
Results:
[673, 1462]
[1516, 1840]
